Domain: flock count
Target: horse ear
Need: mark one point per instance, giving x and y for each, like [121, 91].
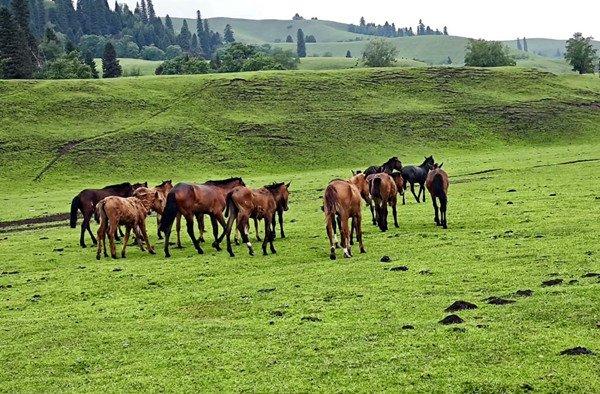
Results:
[441, 165]
[288, 185]
[353, 173]
[146, 184]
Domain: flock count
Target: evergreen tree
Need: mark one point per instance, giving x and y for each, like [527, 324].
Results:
[150, 10]
[89, 60]
[519, 45]
[144, 11]
[169, 25]
[300, 44]
[525, 48]
[362, 21]
[110, 64]
[15, 61]
[289, 38]
[228, 34]
[70, 47]
[445, 30]
[194, 45]
[21, 16]
[348, 54]
[184, 38]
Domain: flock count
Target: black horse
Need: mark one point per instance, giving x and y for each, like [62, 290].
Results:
[417, 174]
[388, 167]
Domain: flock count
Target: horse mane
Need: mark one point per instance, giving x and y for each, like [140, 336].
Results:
[118, 186]
[274, 185]
[164, 183]
[223, 181]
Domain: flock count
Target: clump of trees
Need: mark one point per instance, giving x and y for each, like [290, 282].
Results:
[380, 53]
[181, 65]
[580, 54]
[482, 53]
[390, 30]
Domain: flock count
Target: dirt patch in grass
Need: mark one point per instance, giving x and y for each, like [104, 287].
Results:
[460, 305]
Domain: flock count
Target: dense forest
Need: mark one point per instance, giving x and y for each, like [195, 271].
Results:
[390, 30]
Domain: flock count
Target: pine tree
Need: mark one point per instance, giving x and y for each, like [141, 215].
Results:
[525, 48]
[289, 38]
[228, 34]
[445, 31]
[169, 25]
[70, 47]
[519, 46]
[21, 15]
[348, 54]
[89, 60]
[300, 44]
[150, 10]
[110, 64]
[194, 45]
[144, 11]
[362, 21]
[15, 61]
[184, 37]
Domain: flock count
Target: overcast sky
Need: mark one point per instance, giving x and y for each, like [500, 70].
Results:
[479, 19]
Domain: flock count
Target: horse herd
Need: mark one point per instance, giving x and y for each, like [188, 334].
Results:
[130, 204]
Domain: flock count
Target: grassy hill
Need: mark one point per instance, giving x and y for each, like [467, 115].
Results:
[520, 146]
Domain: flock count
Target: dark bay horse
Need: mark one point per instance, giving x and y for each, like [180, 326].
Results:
[244, 203]
[342, 202]
[383, 192]
[417, 174]
[437, 183]
[190, 200]
[400, 185]
[163, 189]
[388, 167]
[222, 186]
[86, 202]
[281, 194]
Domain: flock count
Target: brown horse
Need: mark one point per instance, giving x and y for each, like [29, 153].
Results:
[281, 195]
[131, 212]
[400, 185]
[383, 191]
[437, 183]
[360, 181]
[163, 189]
[86, 202]
[190, 200]
[223, 186]
[244, 203]
[342, 200]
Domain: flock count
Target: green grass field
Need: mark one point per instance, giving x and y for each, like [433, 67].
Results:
[521, 148]
[133, 66]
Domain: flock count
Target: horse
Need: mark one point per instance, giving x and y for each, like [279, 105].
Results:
[342, 200]
[383, 191]
[359, 180]
[131, 212]
[417, 174]
[437, 183]
[163, 189]
[400, 185]
[223, 186]
[281, 194]
[190, 200]
[86, 202]
[244, 203]
[388, 167]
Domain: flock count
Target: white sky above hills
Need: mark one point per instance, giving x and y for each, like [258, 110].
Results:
[505, 19]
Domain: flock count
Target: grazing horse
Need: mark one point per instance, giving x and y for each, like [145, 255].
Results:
[131, 212]
[244, 203]
[163, 189]
[437, 183]
[383, 191]
[342, 201]
[223, 186]
[86, 202]
[400, 185]
[360, 181]
[417, 174]
[388, 167]
[190, 200]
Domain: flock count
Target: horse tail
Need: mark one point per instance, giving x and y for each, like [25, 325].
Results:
[376, 188]
[75, 203]
[169, 214]
[331, 199]
[438, 189]
[231, 207]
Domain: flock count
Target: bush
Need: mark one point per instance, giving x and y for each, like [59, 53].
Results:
[68, 66]
[241, 57]
[133, 72]
[183, 65]
[380, 52]
[173, 51]
[93, 44]
[482, 53]
[152, 53]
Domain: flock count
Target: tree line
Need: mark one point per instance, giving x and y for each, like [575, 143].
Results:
[390, 30]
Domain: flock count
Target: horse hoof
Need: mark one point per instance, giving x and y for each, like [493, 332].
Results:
[122, 255]
[273, 251]
[114, 256]
[258, 239]
[347, 256]
[337, 245]
[332, 256]
[151, 252]
[362, 251]
[201, 239]
[251, 252]
[167, 255]
[97, 257]
[200, 251]
[282, 235]
[445, 227]
[265, 254]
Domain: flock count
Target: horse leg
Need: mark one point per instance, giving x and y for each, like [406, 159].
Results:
[256, 230]
[101, 231]
[444, 205]
[280, 214]
[189, 221]
[227, 232]
[89, 229]
[358, 227]
[395, 211]
[352, 232]
[215, 227]
[331, 235]
[126, 239]
[339, 226]
[82, 235]
[436, 218]
[345, 232]
[112, 230]
[144, 236]
[158, 233]
[272, 234]
[267, 235]
[178, 229]
[384, 216]
[242, 222]
[412, 189]
[422, 189]
[370, 204]
[201, 228]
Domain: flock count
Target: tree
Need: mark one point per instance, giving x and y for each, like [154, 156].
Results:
[150, 9]
[519, 45]
[15, 62]
[581, 54]
[525, 48]
[228, 34]
[21, 17]
[110, 64]
[289, 38]
[152, 53]
[184, 64]
[448, 60]
[297, 17]
[362, 21]
[380, 53]
[89, 60]
[348, 53]
[311, 39]
[482, 53]
[68, 66]
[184, 38]
[300, 44]
[173, 51]
[445, 31]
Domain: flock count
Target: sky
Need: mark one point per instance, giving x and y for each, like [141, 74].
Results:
[497, 20]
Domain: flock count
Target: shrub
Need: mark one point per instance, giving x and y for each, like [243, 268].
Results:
[482, 53]
[68, 66]
[379, 53]
[152, 53]
[183, 65]
[173, 51]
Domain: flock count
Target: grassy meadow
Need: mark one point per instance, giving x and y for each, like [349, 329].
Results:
[521, 148]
